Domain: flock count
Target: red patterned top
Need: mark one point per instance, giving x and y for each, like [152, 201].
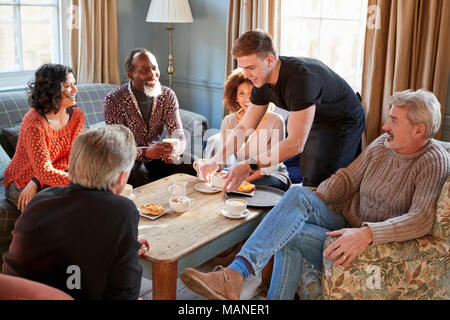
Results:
[43, 152]
[121, 107]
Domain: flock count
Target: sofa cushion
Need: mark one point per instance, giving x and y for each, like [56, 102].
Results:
[194, 122]
[13, 106]
[415, 270]
[441, 225]
[4, 161]
[90, 100]
[96, 125]
[9, 138]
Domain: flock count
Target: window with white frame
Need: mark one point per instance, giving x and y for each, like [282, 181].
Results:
[31, 34]
[329, 30]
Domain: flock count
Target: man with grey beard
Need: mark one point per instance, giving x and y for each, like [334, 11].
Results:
[145, 107]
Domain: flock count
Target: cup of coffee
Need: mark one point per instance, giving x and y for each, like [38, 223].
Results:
[174, 143]
[127, 189]
[218, 179]
[235, 207]
[180, 204]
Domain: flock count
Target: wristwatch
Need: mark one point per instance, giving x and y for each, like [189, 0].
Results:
[253, 164]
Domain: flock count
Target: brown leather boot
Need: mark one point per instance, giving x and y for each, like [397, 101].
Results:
[223, 284]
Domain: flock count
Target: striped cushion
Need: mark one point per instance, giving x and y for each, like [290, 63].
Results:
[90, 100]
[13, 106]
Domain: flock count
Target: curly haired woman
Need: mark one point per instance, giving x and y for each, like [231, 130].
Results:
[46, 135]
[271, 130]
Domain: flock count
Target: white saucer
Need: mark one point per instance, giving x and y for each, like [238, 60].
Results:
[242, 215]
[203, 187]
[132, 196]
[152, 217]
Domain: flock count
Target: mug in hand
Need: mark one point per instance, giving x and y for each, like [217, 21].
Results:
[201, 162]
[173, 142]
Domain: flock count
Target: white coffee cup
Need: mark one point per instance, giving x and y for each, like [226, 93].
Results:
[181, 203]
[218, 179]
[198, 163]
[127, 189]
[235, 207]
[173, 142]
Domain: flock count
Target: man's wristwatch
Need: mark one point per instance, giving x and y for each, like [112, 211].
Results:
[253, 164]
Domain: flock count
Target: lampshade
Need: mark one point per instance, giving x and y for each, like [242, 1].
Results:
[169, 11]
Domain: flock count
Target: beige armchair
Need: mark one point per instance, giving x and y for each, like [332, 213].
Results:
[414, 269]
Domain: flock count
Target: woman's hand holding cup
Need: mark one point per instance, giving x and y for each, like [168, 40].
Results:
[204, 168]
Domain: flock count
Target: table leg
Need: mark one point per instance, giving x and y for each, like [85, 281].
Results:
[164, 281]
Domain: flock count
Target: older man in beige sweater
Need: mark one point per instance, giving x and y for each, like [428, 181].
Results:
[387, 194]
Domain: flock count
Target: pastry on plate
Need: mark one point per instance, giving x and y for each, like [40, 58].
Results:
[246, 187]
[154, 209]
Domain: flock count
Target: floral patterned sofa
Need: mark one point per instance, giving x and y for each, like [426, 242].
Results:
[414, 269]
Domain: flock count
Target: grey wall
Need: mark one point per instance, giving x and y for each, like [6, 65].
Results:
[133, 30]
[199, 51]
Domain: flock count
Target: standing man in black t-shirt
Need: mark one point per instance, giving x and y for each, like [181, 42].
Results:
[326, 118]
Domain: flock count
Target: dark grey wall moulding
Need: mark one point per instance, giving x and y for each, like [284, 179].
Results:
[194, 83]
[186, 82]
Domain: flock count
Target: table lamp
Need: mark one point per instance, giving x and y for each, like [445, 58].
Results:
[169, 11]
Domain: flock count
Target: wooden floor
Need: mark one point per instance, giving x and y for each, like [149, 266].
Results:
[250, 291]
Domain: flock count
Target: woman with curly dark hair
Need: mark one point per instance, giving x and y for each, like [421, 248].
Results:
[46, 135]
[271, 130]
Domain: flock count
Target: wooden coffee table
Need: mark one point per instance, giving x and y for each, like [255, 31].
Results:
[182, 240]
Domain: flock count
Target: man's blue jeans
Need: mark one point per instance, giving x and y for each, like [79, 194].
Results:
[294, 229]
